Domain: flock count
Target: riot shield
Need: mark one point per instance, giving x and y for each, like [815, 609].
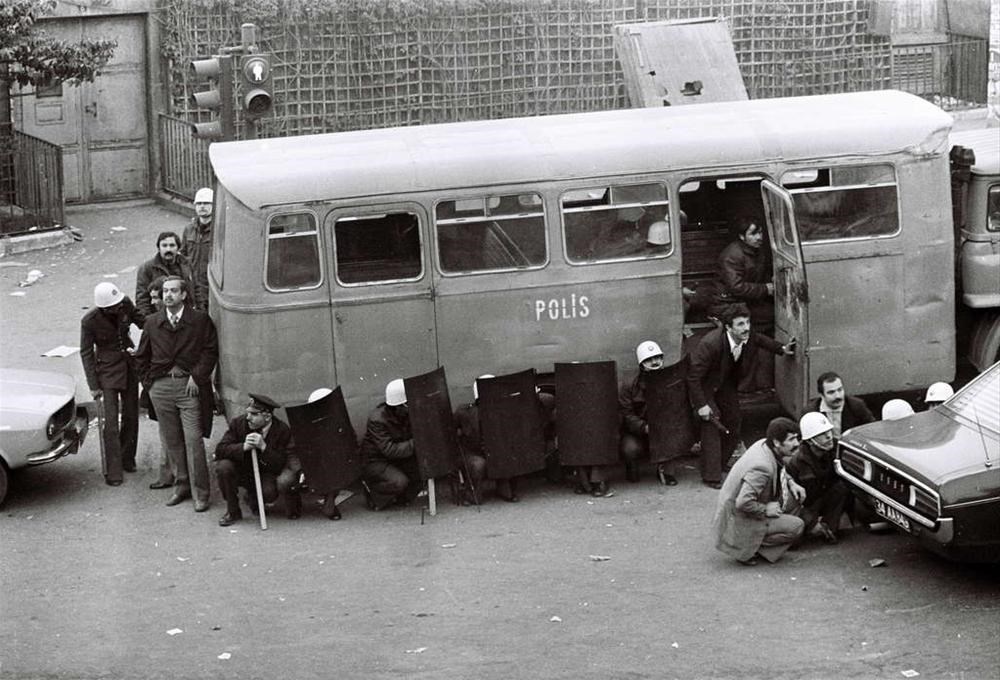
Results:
[435, 437]
[510, 420]
[325, 442]
[587, 416]
[672, 430]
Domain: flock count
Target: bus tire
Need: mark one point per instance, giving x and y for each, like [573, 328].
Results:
[984, 345]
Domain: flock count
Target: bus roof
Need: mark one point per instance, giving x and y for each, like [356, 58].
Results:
[986, 144]
[291, 170]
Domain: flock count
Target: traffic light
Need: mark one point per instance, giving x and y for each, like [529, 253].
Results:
[218, 72]
[255, 75]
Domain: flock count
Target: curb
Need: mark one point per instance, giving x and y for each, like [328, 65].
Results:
[37, 241]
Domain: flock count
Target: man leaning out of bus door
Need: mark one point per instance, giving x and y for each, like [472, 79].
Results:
[388, 454]
[256, 430]
[634, 442]
[721, 359]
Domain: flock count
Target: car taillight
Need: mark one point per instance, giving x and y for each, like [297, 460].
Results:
[923, 501]
[856, 465]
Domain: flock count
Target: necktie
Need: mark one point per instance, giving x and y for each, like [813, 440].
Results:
[737, 351]
[173, 320]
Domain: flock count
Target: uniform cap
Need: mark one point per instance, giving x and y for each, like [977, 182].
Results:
[107, 294]
[261, 402]
[318, 394]
[894, 409]
[395, 393]
[658, 233]
[475, 384]
[939, 391]
[647, 349]
[204, 195]
[813, 424]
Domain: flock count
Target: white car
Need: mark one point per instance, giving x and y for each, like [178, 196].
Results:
[40, 421]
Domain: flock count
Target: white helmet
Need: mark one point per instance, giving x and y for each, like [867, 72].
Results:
[106, 294]
[204, 195]
[395, 393]
[318, 394]
[813, 424]
[475, 384]
[658, 233]
[894, 409]
[647, 349]
[939, 391]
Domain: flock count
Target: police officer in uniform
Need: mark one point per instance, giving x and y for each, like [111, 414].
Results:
[257, 429]
[389, 469]
[106, 352]
[634, 443]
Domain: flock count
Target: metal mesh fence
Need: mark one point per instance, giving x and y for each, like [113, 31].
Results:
[369, 63]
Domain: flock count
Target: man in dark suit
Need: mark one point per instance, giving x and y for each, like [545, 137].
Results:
[106, 353]
[843, 411]
[718, 363]
[259, 430]
[176, 356]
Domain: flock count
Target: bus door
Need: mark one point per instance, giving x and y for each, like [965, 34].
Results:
[383, 311]
[791, 297]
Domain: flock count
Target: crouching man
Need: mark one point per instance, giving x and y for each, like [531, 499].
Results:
[749, 520]
[257, 429]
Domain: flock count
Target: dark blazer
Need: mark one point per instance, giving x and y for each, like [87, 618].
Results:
[272, 459]
[712, 367]
[104, 345]
[856, 412]
[192, 347]
[632, 405]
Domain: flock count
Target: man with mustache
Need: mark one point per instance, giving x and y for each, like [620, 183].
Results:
[843, 411]
[168, 261]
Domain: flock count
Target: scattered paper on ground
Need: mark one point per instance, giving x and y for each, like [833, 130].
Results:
[910, 673]
[119, 228]
[225, 656]
[876, 562]
[18, 293]
[600, 558]
[448, 545]
[418, 650]
[174, 631]
[61, 351]
[555, 619]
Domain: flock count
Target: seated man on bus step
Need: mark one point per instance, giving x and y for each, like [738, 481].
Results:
[634, 443]
[472, 461]
[745, 276]
[389, 463]
[719, 361]
[256, 429]
[811, 467]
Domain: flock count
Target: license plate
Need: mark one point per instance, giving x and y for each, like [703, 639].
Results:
[892, 514]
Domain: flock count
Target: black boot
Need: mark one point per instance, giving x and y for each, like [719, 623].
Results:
[293, 505]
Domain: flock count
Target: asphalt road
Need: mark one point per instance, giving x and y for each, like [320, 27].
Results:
[94, 579]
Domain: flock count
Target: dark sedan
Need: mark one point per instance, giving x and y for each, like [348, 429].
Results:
[935, 475]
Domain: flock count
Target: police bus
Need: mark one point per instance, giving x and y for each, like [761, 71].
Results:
[490, 247]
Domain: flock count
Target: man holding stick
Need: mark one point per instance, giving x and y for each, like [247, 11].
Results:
[721, 359]
[253, 453]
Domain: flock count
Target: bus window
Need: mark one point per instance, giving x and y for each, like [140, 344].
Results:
[490, 234]
[292, 259]
[611, 222]
[844, 202]
[377, 248]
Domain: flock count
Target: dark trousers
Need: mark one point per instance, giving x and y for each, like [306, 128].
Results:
[827, 506]
[120, 439]
[231, 476]
[389, 481]
[716, 447]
